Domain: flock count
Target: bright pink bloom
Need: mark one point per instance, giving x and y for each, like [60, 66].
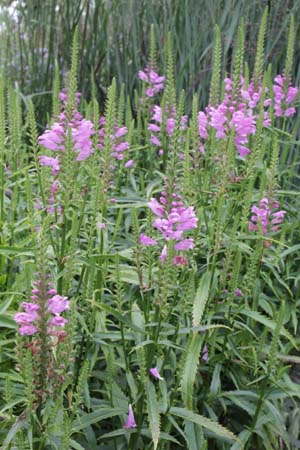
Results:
[155, 373]
[58, 304]
[179, 261]
[156, 208]
[129, 163]
[25, 318]
[186, 244]
[202, 125]
[27, 330]
[146, 240]
[130, 422]
[50, 162]
[58, 321]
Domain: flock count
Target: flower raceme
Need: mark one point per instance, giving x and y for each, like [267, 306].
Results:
[266, 216]
[155, 83]
[241, 112]
[30, 320]
[172, 225]
[54, 138]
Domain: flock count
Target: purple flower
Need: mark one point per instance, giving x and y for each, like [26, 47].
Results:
[238, 293]
[50, 162]
[154, 81]
[170, 125]
[155, 141]
[155, 373]
[58, 321]
[266, 216]
[179, 261]
[163, 255]
[156, 208]
[58, 304]
[27, 330]
[130, 422]
[146, 240]
[204, 357]
[186, 244]
[129, 163]
[202, 125]
[25, 318]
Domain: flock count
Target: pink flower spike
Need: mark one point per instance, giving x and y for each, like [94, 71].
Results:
[163, 255]
[179, 261]
[129, 163]
[27, 330]
[186, 244]
[238, 293]
[155, 373]
[58, 321]
[130, 422]
[156, 207]
[30, 307]
[50, 162]
[101, 225]
[146, 240]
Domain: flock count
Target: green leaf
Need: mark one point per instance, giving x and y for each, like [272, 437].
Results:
[7, 251]
[189, 369]
[7, 322]
[153, 413]
[269, 324]
[18, 425]
[204, 422]
[75, 445]
[194, 435]
[201, 298]
[94, 417]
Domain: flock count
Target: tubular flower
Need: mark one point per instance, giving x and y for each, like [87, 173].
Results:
[155, 83]
[130, 422]
[30, 320]
[266, 216]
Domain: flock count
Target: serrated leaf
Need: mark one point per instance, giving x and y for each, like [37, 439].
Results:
[271, 324]
[201, 298]
[189, 370]
[153, 413]
[204, 422]
[96, 416]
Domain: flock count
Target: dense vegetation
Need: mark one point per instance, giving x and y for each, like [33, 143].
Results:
[149, 245]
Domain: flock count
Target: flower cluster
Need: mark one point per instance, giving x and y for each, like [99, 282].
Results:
[170, 122]
[54, 138]
[45, 306]
[238, 111]
[228, 115]
[266, 216]
[155, 83]
[172, 225]
[284, 97]
[119, 144]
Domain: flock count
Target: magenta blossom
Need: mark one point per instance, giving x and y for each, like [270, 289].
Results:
[155, 83]
[266, 217]
[130, 422]
[155, 373]
[146, 240]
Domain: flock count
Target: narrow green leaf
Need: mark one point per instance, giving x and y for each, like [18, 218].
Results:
[201, 298]
[94, 417]
[204, 422]
[153, 413]
[269, 323]
[189, 370]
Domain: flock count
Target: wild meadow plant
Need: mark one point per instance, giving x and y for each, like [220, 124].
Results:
[149, 264]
